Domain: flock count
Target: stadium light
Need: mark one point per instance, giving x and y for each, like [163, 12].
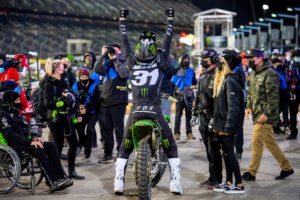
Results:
[290, 9]
[241, 26]
[273, 15]
[250, 23]
[265, 7]
[261, 19]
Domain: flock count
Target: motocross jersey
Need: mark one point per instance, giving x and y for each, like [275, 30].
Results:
[146, 77]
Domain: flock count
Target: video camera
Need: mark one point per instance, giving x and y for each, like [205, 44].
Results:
[110, 49]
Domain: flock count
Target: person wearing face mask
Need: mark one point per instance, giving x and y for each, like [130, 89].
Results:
[228, 117]
[185, 81]
[203, 117]
[293, 81]
[114, 98]
[61, 108]
[284, 95]
[68, 76]
[87, 95]
[16, 132]
[263, 105]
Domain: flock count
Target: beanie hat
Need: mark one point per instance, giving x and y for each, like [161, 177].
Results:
[84, 71]
[232, 58]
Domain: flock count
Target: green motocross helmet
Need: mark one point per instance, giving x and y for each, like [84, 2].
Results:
[145, 48]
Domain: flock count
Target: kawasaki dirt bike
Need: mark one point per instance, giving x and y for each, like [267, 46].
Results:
[151, 161]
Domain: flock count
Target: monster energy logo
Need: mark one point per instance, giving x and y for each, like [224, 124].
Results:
[152, 48]
[166, 143]
[138, 45]
[127, 143]
[144, 92]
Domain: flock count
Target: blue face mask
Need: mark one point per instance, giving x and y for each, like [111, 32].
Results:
[297, 59]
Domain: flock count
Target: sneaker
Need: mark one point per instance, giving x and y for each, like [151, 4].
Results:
[234, 189]
[248, 177]
[221, 187]
[190, 136]
[284, 174]
[177, 136]
[106, 159]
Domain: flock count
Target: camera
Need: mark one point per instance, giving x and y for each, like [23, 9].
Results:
[110, 49]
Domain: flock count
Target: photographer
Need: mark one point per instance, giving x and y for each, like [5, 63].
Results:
[114, 97]
[61, 108]
[87, 95]
[17, 133]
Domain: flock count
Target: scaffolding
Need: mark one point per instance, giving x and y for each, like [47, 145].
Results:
[213, 28]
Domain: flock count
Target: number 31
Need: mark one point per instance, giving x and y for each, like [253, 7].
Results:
[141, 77]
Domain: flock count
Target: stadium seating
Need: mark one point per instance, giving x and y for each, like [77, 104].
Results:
[45, 26]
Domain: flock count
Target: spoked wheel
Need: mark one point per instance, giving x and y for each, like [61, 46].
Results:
[161, 167]
[25, 181]
[143, 171]
[10, 169]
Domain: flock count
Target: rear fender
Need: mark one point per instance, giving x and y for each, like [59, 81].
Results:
[144, 129]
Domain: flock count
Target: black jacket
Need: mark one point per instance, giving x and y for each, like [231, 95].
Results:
[113, 91]
[94, 104]
[229, 105]
[52, 93]
[14, 128]
[204, 102]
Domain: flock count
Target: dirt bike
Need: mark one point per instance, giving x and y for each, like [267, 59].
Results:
[151, 160]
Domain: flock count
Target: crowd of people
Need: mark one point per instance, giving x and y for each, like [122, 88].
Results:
[228, 86]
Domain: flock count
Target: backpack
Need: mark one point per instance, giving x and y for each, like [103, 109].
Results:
[38, 106]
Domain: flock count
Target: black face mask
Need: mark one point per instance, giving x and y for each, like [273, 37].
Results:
[185, 64]
[204, 64]
[252, 64]
[220, 66]
[281, 67]
[84, 82]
